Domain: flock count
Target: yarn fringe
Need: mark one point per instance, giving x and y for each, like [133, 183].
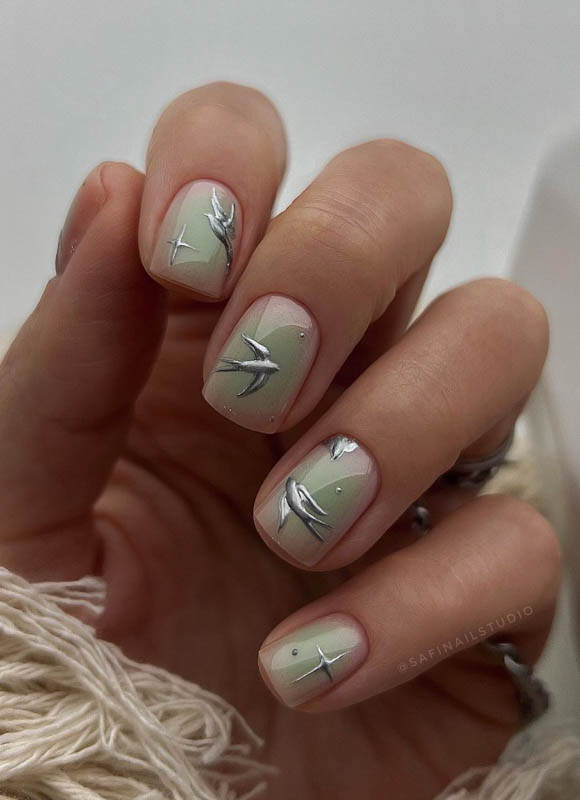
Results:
[540, 763]
[81, 721]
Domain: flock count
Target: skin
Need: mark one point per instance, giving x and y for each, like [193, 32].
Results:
[113, 463]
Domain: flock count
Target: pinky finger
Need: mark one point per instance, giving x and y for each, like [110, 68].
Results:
[494, 559]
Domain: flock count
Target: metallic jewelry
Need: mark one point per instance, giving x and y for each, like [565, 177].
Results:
[533, 697]
[223, 226]
[298, 499]
[421, 518]
[323, 665]
[177, 243]
[468, 474]
[339, 445]
[261, 367]
[473, 473]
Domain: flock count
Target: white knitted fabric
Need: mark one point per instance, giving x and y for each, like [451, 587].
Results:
[542, 763]
[81, 721]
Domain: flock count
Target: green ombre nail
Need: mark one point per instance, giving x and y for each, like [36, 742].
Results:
[313, 507]
[313, 658]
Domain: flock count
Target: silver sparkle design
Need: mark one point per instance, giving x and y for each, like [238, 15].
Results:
[223, 226]
[324, 665]
[298, 499]
[261, 367]
[339, 445]
[177, 243]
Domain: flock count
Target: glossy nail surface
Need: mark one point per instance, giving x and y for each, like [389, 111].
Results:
[263, 364]
[313, 658]
[313, 507]
[197, 240]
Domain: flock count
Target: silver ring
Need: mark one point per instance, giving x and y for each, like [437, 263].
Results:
[473, 473]
[532, 695]
[467, 474]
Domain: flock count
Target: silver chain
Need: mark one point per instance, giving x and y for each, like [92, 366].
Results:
[533, 697]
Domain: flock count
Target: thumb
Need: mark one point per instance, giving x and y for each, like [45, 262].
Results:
[68, 383]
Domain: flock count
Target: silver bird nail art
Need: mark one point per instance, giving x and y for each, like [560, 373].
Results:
[323, 665]
[339, 445]
[223, 226]
[298, 499]
[177, 243]
[261, 367]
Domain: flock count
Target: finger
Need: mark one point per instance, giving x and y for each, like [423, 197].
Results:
[328, 267]
[214, 164]
[385, 332]
[460, 370]
[68, 383]
[418, 606]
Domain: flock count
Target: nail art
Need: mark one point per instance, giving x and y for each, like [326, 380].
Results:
[313, 658]
[223, 226]
[263, 364]
[298, 499]
[314, 507]
[196, 243]
[260, 368]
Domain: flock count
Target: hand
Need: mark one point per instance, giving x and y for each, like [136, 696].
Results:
[114, 464]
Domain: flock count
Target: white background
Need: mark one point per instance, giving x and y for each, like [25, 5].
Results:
[485, 85]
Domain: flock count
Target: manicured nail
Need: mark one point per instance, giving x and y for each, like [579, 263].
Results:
[314, 658]
[263, 364]
[87, 203]
[313, 507]
[196, 245]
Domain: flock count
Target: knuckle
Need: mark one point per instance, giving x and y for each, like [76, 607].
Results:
[533, 534]
[415, 162]
[333, 223]
[246, 113]
[511, 305]
[416, 180]
[238, 96]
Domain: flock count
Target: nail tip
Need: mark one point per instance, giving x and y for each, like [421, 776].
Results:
[163, 277]
[231, 416]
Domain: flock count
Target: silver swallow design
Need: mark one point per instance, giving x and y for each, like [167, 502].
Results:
[339, 445]
[223, 226]
[323, 665]
[261, 367]
[177, 243]
[298, 499]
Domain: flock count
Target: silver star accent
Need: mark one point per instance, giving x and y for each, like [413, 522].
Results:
[339, 445]
[323, 665]
[298, 499]
[223, 226]
[177, 243]
[261, 367]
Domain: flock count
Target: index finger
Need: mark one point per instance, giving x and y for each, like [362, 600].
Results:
[215, 160]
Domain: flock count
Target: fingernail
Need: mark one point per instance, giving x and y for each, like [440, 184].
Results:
[314, 658]
[87, 203]
[313, 507]
[263, 364]
[196, 246]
